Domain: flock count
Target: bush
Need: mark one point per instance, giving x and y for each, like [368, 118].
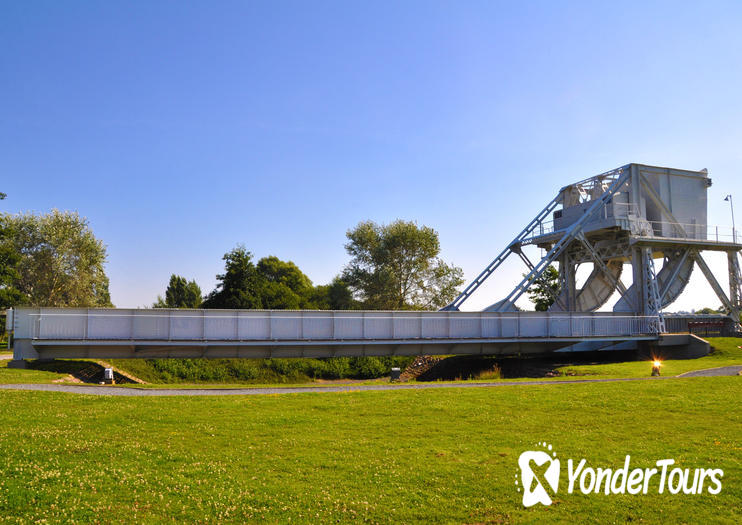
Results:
[368, 367]
[242, 369]
[337, 368]
[260, 370]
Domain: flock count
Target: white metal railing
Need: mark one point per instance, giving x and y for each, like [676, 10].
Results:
[663, 229]
[544, 228]
[331, 326]
[693, 231]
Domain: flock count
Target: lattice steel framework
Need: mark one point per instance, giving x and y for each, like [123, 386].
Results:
[631, 215]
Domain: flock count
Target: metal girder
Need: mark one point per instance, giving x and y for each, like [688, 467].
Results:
[476, 283]
[651, 292]
[618, 249]
[735, 286]
[568, 281]
[524, 258]
[735, 280]
[566, 239]
[597, 260]
[712, 281]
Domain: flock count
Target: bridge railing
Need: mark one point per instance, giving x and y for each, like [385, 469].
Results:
[306, 325]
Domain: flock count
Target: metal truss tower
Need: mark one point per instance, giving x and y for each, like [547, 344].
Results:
[632, 215]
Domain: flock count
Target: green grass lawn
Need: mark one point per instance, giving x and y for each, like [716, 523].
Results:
[397, 456]
[15, 376]
[725, 351]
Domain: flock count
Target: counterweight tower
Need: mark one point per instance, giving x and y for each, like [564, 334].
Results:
[632, 215]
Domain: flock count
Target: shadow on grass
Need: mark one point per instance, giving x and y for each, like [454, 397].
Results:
[84, 371]
[539, 366]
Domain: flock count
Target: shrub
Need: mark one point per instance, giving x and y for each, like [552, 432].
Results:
[260, 370]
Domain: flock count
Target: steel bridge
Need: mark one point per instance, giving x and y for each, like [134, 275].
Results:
[47, 333]
[631, 215]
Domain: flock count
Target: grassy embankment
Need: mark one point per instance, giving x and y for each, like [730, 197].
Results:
[401, 456]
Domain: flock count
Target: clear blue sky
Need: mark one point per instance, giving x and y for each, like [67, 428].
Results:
[181, 129]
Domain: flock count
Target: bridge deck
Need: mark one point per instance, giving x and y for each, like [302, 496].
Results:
[126, 333]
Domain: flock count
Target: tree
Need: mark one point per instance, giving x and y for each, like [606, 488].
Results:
[9, 295]
[284, 285]
[396, 266]
[273, 284]
[60, 261]
[710, 311]
[180, 293]
[334, 296]
[545, 289]
[9, 258]
[240, 284]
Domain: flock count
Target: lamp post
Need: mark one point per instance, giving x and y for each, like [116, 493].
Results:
[734, 230]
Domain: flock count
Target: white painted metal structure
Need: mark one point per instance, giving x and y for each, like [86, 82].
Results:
[128, 333]
[631, 215]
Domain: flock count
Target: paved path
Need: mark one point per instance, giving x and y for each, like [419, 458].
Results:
[144, 392]
[711, 372]
[154, 392]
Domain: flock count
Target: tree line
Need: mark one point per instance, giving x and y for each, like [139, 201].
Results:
[54, 259]
[392, 266]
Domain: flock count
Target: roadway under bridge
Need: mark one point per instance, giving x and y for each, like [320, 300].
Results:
[49, 333]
